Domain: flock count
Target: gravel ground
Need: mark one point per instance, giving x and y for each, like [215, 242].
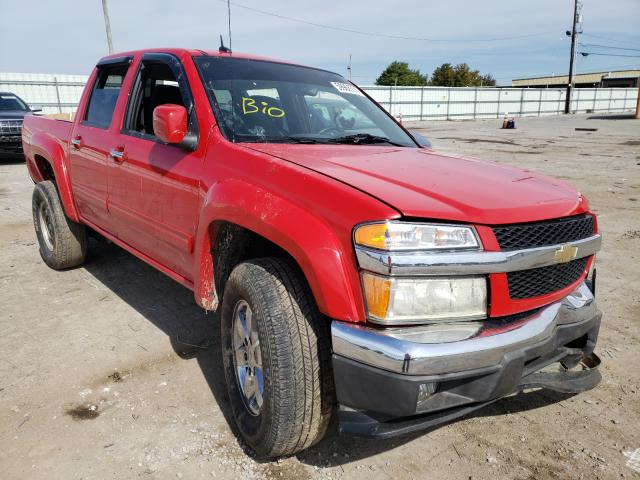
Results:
[111, 371]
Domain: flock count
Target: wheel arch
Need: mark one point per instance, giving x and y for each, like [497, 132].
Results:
[258, 223]
[47, 162]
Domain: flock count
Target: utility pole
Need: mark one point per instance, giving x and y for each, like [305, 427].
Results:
[229, 18]
[349, 67]
[574, 29]
[107, 25]
[638, 102]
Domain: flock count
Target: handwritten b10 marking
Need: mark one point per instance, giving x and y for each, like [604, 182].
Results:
[249, 106]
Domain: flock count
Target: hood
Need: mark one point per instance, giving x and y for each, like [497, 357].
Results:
[423, 184]
[13, 114]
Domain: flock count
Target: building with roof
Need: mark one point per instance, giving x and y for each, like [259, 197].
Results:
[615, 78]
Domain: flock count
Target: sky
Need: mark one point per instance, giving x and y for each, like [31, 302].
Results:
[505, 38]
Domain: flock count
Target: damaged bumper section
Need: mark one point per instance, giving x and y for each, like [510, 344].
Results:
[391, 381]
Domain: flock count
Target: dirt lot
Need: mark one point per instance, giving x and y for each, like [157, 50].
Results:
[111, 371]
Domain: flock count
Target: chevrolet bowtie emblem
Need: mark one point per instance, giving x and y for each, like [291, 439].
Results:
[565, 253]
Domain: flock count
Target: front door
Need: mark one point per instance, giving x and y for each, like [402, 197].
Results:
[91, 142]
[153, 188]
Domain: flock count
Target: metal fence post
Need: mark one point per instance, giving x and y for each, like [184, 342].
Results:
[577, 110]
[448, 101]
[610, 95]
[521, 101]
[540, 102]
[560, 102]
[475, 102]
[498, 108]
[421, 102]
[624, 105]
[595, 97]
[391, 100]
[55, 83]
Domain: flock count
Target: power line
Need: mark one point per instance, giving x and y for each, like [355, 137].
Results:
[605, 38]
[608, 46]
[376, 34]
[586, 54]
[619, 67]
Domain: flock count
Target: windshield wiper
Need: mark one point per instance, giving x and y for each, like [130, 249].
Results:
[284, 139]
[364, 138]
[305, 140]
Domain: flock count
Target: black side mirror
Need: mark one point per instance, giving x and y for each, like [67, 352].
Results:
[35, 108]
[423, 141]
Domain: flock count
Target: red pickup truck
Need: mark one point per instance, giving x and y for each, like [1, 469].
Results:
[357, 274]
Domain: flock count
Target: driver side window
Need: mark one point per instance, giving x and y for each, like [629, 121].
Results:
[155, 85]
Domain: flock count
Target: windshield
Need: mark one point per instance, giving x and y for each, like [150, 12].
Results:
[260, 101]
[11, 102]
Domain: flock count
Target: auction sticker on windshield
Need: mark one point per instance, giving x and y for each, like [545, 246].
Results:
[346, 88]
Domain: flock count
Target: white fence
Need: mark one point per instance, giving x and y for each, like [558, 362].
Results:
[452, 103]
[54, 93]
[61, 93]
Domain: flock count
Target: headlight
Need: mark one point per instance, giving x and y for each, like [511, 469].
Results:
[394, 236]
[398, 301]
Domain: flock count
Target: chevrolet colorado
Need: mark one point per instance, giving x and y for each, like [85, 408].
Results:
[357, 275]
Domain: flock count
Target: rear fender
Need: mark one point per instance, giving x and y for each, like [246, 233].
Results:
[49, 149]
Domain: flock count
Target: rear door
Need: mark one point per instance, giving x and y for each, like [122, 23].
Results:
[154, 187]
[92, 139]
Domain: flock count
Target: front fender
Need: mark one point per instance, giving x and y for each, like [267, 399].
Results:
[328, 266]
[47, 147]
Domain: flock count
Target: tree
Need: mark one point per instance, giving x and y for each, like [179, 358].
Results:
[399, 73]
[488, 80]
[443, 76]
[460, 75]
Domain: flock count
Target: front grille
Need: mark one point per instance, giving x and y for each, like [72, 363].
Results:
[10, 127]
[541, 281]
[539, 234]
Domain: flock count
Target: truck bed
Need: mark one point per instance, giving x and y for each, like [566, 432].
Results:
[55, 129]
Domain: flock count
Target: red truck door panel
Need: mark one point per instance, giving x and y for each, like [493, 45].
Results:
[91, 140]
[153, 187]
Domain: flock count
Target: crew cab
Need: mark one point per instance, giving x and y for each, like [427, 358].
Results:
[356, 274]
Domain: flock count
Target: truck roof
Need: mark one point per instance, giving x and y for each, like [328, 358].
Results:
[200, 52]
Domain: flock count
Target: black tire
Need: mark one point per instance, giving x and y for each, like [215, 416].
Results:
[294, 341]
[63, 243]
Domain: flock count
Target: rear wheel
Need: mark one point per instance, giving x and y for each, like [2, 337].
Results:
[63, 243]
[277, 360]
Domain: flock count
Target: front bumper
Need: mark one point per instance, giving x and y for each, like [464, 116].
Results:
[10, 146]
[381, 374]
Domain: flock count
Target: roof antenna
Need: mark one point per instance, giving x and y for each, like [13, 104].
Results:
[222, 48]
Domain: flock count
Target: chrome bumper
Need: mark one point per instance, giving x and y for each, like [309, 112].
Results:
[469, 262]
[455, 347]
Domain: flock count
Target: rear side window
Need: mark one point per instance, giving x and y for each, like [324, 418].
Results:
[104, 95]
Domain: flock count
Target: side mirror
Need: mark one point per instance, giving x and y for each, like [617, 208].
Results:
[35, 108]
[170, 122]
[421, 139]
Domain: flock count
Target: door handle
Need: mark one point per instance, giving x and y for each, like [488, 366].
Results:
[76, 141]
[117, 154]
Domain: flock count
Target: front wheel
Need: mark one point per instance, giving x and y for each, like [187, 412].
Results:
[277, 359]
[63, 243]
